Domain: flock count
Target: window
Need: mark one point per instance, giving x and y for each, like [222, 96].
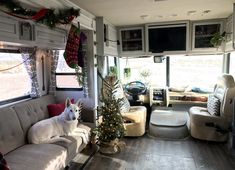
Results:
[15, 82]
[112, 65]
[144, 70]
[66, 77]
[232, 64]
[185, 71]
[195, 71]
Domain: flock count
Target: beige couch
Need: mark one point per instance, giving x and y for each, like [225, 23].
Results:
[15, 122]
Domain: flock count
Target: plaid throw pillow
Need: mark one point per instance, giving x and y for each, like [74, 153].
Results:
[213, 105]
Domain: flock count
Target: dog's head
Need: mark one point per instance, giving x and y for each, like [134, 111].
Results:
[72, 111]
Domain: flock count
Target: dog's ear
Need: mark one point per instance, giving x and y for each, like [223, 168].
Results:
[79, 103]
[67, 102]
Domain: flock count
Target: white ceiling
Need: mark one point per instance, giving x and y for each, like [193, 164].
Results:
[129, 12]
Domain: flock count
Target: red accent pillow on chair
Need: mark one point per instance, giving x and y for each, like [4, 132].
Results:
[56, 109]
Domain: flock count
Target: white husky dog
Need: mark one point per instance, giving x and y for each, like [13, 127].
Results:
[53, 129]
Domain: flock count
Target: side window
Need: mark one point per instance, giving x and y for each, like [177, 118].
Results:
[15, 82]
[66, 77]
[112, 65]
[232, 64]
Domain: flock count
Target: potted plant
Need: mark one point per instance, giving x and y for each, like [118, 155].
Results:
[217, 39]
[110, 128]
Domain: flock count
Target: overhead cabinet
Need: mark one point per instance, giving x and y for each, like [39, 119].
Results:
[132, 40]
[9, 30]
[203, 32]
[24, 33]
[50, 38]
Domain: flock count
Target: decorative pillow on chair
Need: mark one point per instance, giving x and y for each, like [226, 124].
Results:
[213, 105]
[56, 109]
[125, 105]
[118, 92]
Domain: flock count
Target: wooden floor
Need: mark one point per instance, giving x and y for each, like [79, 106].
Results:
[146, 153]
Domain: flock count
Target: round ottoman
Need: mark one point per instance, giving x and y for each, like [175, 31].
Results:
[168, 124]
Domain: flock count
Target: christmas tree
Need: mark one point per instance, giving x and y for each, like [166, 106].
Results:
[110, 127]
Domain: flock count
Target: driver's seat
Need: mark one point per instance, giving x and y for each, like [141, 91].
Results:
[134, 116]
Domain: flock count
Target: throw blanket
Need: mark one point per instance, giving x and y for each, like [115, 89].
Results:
[85, 135]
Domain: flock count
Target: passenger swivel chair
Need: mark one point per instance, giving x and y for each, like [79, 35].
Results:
[214, 122]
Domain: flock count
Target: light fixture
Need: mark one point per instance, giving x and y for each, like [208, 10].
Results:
[144, 17]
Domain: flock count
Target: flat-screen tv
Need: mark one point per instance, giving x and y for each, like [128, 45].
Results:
[167, 38]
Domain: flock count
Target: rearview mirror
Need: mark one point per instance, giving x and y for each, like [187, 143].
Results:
[158, 59]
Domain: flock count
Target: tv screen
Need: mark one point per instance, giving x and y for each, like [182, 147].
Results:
[172, 38]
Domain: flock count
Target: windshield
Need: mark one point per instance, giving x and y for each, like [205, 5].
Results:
[185, 71]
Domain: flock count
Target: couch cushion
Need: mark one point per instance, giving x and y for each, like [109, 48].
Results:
[37, 157]
[33, 111]
[72, 148]
[76, 144]
[11, 133]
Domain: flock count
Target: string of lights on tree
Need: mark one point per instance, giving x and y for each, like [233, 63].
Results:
[49, 17]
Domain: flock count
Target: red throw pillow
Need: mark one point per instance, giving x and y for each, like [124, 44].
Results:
[56, 109]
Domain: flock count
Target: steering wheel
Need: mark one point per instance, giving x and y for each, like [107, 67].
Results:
[135, 88]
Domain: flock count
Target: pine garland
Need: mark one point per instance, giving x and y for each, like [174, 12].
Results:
[45, 16]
